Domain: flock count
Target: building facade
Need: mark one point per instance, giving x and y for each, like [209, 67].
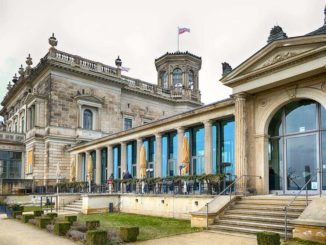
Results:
[272, 127]
[67, 100]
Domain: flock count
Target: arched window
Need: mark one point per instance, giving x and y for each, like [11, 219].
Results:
[177, 78]
[297, 146]
[191, 80]
[164, 79]
[88, 119]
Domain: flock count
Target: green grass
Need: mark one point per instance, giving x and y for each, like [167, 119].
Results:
[149, 227]
[35, 208]
[297, 241]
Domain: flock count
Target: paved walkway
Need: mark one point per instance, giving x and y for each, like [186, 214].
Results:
[15, 233]
[203, 238]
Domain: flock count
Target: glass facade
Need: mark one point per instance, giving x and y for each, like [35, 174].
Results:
[132, 158]
[10, 165]
[150, 147]
[103, 165]
[116, 162]
[223, 146]
[93, 155]
[297, 146]
[169, 154]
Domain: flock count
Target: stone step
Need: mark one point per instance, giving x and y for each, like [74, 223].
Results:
[262, 213]
[265, 207]
[272, 202]
[274, 220]
[247, 230]
[255, 224]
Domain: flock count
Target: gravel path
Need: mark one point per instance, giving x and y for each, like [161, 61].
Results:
[13, 232]
[203, 238]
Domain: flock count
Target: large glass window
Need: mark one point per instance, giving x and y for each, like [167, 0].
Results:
[150, 147]
[93, 155]
[177, 78]
[10, 165]
[103, 165]
[296, 131]
[88, 119]
[169, 154]
[131, 158]
[83, 167]
[196, 139]
[116, 162]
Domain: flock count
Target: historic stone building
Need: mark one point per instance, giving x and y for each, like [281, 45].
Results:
[66, 100]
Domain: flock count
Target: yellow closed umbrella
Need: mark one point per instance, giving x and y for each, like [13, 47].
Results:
[142, 161]
[90, 168]
[72, 170]
[185, 155]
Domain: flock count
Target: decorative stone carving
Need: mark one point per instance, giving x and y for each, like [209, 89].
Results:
[292, 91]
[323, 87]
[53, 41]
[279, 57]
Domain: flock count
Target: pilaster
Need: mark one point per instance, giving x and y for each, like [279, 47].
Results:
[208, 147]
[158, 155]
[98, 167]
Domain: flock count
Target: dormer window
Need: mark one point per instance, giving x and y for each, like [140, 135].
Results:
[191, 80]
[177, 78]
[88, 119]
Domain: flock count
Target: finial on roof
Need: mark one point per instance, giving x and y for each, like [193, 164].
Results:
[9, 86]
[15, 79]
[21, 70]
[325, 15]
[118, 62]
[320, 30]
[226, 68]
[276, 33]
[53, 41]
[29, 61]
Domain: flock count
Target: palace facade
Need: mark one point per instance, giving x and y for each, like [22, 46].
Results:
[68, 109]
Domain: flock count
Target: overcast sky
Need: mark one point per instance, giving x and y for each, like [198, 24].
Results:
[142, 30]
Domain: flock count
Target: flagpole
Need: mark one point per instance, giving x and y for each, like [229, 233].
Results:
[178, 37]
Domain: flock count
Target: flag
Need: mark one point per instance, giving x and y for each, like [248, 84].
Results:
[183, 30]
[124, 69]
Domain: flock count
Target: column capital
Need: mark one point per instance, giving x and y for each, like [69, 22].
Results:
[240, 96]
[208, 122]
[139, 139]
[180, 129]
[158, 134]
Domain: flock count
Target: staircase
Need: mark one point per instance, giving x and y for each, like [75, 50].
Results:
[259, 213]
[74, 207]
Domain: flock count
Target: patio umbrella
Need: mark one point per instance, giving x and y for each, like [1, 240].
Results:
[90, 168]
[142, 162]
[72, 170]
[185, 155]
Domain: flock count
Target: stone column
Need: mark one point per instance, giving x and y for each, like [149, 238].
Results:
[78, 166]
[208, 157]
[181, 132]
[123, 158]
[139, 144]
[262, 184]
[158, 155]
[98, 167]
[109, 164]
[240, 140]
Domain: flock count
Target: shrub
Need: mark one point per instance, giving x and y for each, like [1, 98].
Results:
[38, 213]
[16, 207]
[42, 222]
[15, 213]
[61, 228]
[71, 218]
[129, 234]
[96, 237]
[268, 238]
[92, 224]
[27, 217]
[52, 215]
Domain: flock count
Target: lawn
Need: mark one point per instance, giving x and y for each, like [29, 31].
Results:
[150, 227]
[296, 241]
[34, 208]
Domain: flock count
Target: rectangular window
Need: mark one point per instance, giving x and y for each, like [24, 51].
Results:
[127, 123]
[116, 162]
[32, 117]
[10, 165]
[103, 165]
[131, 158]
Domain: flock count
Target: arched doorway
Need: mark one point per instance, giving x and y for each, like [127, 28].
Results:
[297, 147]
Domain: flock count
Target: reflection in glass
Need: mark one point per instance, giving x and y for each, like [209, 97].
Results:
[301, 161]
[275, 158]
[300, 116]
[116, 162]
[103, 165]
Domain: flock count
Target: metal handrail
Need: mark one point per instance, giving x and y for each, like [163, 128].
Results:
[230, 192]
[290, 203]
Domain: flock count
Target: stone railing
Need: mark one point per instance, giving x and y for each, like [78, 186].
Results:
[77, 61]
[10, 136]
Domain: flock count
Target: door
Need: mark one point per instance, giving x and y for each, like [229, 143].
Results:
[301, 163]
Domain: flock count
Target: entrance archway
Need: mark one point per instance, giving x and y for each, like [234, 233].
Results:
[297, 147]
